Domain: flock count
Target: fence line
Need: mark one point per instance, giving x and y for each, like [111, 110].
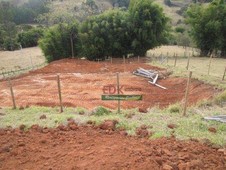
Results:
[12, 72]
[162, 59]
[175, 58]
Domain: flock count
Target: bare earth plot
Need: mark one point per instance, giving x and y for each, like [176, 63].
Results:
[83, 83]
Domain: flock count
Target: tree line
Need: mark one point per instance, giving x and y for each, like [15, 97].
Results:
[116, 32]
[208, 27]
[133, 29]
[14, 34]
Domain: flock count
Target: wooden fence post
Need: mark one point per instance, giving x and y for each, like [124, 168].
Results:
[187, 93]
[118, 90]
[167, 57]
[138, 58]
[12, 94]
[175, 61]
[224, 74]
[211, 56]
[32, 65]
[59, 92]
[124, 59]
[188, 62]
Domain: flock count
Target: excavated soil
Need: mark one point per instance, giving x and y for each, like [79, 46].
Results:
[83, 82]
[89, 148]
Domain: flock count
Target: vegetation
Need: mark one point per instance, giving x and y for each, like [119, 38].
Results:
[148, 25]
[106, 35]
[120, 3]
[208, 27]
[118, 33]
[190, 127]
[30, 38]
[113, 33]
[59, 40]
[12, 15]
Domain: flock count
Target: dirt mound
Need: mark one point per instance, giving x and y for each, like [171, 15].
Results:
[83, 82]
[87, 148]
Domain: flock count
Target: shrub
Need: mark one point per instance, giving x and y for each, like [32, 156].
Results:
[56, 41]
[180, 29]
[30, 38]
[175, 108]
[11, 44]
[100, 111]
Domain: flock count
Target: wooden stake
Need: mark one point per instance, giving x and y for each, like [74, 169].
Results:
[224, 74]
[32, 65]
[138, 58]
[188, 62]
[12, 94]
[167, 57]
[186, 94]
[59, 92]
[124, 59]
[211, 56]
[175, 62]
[111, 60]
[72, 47]
[118, 92]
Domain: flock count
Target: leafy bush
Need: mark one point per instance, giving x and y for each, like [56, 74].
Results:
[56, 42]
[118, 33]
[100, 111]
[180, 29]
[221, 98]
[208, 28]
[175, 108]
[30, 38]
[105, 34]
[11, 44]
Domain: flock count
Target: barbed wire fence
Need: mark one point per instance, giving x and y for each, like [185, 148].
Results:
[59, 96]
[52, 91]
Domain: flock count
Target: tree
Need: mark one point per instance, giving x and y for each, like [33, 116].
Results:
[30, 38]
[148, 25]
[105, 35]
[56, 42]
[208, 27]
[118, 32]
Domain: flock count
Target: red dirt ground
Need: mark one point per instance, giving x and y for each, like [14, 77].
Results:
[89, 148]
[83, 82]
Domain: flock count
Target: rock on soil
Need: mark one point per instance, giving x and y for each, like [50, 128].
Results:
[42, 117]
[212, 129]
[108, 125]
[89, 148]
[172, 126]
[142, 131]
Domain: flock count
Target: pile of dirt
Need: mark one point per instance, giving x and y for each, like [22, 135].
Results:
[93, 148]
[83, 82]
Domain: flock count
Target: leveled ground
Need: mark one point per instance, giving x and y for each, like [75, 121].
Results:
[83, 82]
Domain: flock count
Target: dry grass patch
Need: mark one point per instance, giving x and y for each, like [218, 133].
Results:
[15, 60]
